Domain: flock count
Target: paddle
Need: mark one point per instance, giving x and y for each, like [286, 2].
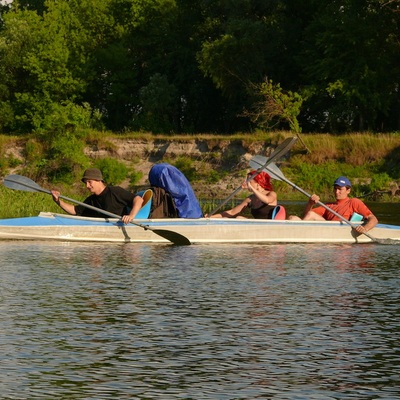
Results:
[279, 173]
[18, 182]
[281, 150]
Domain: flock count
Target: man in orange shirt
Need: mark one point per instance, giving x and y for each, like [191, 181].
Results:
[344, 205]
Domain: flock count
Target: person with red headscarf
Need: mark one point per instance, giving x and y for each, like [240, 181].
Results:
[261, 202]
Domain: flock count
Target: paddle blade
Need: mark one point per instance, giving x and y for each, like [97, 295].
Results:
[173, 237]
[19, 182]
[272, 169]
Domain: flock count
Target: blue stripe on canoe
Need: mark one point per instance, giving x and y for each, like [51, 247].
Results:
[71, 221]
[43, 221]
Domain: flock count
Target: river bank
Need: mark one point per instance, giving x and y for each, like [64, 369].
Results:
[216, 165]
[202, 160]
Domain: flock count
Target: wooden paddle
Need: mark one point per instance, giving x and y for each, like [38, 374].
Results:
[279, 173]
[18, 182]
[280, 151]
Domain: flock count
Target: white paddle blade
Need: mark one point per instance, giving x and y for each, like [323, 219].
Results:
[272, 169]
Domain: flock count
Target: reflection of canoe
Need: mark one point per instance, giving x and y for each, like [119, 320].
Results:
[51, 226]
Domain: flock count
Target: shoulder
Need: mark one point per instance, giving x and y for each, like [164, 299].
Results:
[357, 202]
[360, 205]
[117, 189]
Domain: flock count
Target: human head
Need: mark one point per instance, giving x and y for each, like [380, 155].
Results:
[341, 188]
[92, 174]
[263, 179]
[342, 181]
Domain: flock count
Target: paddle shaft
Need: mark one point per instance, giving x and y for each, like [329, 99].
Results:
[282, 149]
[324, 205]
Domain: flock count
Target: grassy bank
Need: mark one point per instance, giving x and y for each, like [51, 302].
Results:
[370, 161]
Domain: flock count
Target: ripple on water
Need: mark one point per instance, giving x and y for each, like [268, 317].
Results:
[203, 322]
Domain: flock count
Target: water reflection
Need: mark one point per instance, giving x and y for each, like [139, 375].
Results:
[204, 322]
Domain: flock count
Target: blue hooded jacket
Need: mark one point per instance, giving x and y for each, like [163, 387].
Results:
[175, 183]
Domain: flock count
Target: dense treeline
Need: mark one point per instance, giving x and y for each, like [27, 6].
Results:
[199, 65]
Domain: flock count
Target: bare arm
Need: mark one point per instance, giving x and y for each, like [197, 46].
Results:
[267, 198]
[69, 208]
[314, 199]
[136, 206]
[371, 221]
[232, 213]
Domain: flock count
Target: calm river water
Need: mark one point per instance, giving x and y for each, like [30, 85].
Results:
[128, 321]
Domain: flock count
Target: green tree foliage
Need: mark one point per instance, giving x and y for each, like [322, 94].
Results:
[158, 100]
[179, 66]
[34, 5]
[351, 58]
[275, 106]
[36, 69]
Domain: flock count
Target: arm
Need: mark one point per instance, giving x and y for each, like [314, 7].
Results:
[69, 208]
[369, 223]
[314, 199]
[136, 206]
[234, 212]
[369, 218]
[270, 198]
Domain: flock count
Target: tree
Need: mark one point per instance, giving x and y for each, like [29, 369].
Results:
[350, 59]
[276, 106]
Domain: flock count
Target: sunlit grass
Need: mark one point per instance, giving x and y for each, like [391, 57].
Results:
[15, 203]
[256, 136]
[371, 161]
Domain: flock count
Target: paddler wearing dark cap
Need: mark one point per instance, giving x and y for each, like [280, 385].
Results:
[113, 199]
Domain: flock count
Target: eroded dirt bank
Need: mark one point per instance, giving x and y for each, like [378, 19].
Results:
[228, 158]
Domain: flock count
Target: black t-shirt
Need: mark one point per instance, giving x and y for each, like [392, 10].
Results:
[113, 199]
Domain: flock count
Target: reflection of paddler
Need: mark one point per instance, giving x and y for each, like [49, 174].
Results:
[262, 202]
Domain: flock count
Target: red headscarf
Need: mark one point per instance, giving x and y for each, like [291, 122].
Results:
[263, 179]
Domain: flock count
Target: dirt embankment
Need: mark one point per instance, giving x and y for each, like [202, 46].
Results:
[228, 157]
[225, 159]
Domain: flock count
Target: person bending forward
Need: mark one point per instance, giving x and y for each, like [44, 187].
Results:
[113, 199]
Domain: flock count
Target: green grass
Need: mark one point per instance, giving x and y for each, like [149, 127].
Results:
[15, 203]
[369, 160]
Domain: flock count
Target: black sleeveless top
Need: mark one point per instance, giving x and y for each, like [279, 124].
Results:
[263, 212]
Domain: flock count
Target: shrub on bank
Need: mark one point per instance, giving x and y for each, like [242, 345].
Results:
[370, 162]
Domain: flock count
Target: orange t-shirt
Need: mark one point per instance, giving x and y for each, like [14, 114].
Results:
[346, 208]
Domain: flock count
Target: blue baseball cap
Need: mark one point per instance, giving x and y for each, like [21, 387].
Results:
[342, 181]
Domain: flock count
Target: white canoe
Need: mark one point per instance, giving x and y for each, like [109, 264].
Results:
[61, 227]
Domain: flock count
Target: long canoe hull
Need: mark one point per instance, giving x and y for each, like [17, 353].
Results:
[52, 226]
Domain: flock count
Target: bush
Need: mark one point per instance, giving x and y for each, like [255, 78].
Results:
[185, 165]
[114, 171]
[135, 177]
